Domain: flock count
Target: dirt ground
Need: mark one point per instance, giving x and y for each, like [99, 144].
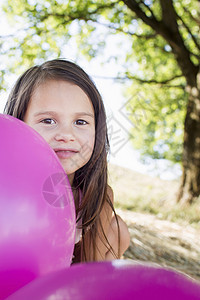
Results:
[163, 242]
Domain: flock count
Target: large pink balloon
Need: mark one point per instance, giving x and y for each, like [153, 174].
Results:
[37, 215]
[117, 280]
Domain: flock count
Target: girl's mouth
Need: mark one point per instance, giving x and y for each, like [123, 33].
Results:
[65, 153]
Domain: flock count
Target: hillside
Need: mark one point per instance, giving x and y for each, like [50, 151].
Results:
[133, 185]
[148, 205]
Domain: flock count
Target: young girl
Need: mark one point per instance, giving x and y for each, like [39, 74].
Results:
[60, 101]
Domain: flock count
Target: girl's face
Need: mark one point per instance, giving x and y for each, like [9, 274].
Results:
[64, 116]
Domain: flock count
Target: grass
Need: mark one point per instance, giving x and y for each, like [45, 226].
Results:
[142, 193]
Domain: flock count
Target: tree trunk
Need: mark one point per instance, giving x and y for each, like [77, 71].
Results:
[190, 185]
[169, 29]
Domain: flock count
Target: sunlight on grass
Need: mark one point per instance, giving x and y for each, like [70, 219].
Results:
[145, 194]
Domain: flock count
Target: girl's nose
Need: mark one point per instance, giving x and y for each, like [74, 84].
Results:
[65, 134]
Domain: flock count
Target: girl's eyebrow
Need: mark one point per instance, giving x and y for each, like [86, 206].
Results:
[84, 114]
[53, 113]
[47, 112]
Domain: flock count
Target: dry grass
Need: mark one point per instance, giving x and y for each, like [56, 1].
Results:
[161, 231]
[143, 193]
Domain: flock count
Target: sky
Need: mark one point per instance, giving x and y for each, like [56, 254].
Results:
[122, 152]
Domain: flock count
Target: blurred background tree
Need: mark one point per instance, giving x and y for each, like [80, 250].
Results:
[159, 67]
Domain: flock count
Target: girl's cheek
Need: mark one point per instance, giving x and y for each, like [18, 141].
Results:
[44, 133]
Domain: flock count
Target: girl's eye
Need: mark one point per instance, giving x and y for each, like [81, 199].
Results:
[48, 121]
[81, 122]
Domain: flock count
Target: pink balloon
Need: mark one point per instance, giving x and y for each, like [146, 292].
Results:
[117, 280]
[37, 214]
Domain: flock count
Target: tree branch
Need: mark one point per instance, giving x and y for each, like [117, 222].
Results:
[195, 55]
[189, 31]
[161, 82]
[152, 81]
[80, 15]
[149, 9]
[69, 18]
[161, 27]
[144, 36]
[191, 16]
[102, 7]
[170, 32]
[134, 6]
[169, 15]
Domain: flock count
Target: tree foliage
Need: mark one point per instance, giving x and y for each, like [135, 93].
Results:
[150, 67]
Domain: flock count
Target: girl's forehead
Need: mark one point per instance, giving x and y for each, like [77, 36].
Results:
[59, 86]
[60, 93]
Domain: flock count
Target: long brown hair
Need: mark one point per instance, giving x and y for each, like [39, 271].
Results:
[91, 179]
